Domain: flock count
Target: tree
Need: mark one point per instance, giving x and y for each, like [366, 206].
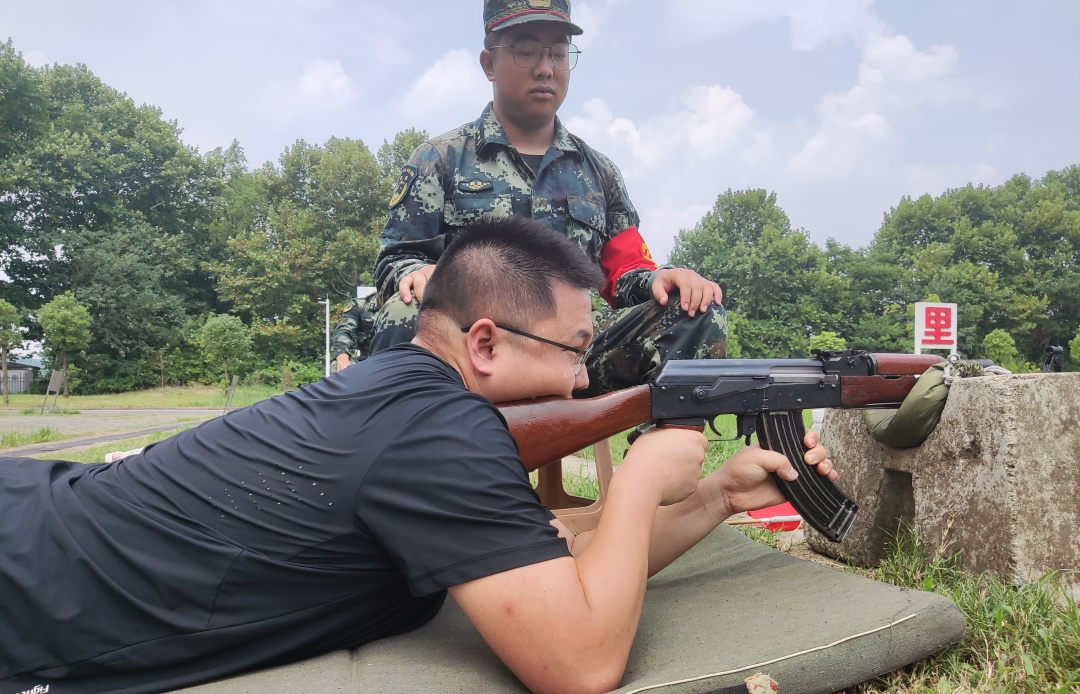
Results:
[123, 283]
[392, 156]
[1048, 234]
[22, 108]
[315, 231]
[1000, 347]
[773, 276]
[66, 323]
[9, 337]
[827, 340]
[224, 339]
[101, 198]
[23, 115]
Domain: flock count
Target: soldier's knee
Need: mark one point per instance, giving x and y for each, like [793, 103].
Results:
[703, 335]
[394, 323]
[716, 318]
[397, 311]
[713, 333]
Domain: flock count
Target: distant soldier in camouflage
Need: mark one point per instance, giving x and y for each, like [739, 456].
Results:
[518, 159]
[352, 334]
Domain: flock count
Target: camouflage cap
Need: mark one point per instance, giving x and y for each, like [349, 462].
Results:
[501, 14]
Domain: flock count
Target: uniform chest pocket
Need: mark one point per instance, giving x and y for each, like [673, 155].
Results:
[462, 210]
[586, 223]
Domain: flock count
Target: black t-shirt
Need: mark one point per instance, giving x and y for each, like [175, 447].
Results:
[323, 518]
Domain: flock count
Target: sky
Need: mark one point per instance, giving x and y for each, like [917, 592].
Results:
[839, 107]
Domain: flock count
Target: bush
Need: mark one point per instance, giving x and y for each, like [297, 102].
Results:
[290, 374]
[827, 340]
[1000, 347]
[304, 372]
[226, 341]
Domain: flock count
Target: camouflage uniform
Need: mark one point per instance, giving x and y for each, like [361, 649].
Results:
[473, 172]
[353, 331]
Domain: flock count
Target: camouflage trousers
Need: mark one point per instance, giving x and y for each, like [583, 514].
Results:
[629, 346]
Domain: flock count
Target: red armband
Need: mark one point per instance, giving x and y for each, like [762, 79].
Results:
[627, 251]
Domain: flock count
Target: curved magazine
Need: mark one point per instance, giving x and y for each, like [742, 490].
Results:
[816, 498]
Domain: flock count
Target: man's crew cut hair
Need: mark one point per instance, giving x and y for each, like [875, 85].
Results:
[504, 269]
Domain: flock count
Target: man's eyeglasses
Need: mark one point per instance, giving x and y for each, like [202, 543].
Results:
[582, 354]
[529, 52]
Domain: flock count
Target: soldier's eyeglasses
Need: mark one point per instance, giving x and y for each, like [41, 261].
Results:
[582, 354]
[529, 52]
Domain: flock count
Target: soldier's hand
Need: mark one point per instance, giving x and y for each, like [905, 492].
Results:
[414, 283]
[343, 361]
[695, 292]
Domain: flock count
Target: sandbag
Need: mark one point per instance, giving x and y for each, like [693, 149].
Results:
[918, 415]
[910, 424]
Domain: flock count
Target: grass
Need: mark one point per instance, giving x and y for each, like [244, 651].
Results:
[10, 439]
[96, 454]
[582, 484]
[1020, 638]
[153, 398]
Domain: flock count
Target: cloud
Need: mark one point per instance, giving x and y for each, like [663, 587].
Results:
[851, 152]
[913, 76]
[858, 127]
[814, 22]
[593, 18]
[326, 84]
[323, 88]
[717, 119]
[36, 59]
[709, 18]
[448, 92]
[811, 22]
[708, 122]
[677, 161]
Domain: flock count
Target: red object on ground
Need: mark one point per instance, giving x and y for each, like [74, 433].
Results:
[784, 510]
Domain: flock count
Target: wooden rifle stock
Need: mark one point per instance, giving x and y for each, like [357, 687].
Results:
[547, 429]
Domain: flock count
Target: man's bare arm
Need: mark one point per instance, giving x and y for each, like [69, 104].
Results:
[566, 625]
[743, 483]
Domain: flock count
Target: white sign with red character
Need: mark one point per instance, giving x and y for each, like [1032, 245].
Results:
[935, 326]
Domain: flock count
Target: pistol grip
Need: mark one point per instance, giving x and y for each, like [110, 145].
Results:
[814, 496]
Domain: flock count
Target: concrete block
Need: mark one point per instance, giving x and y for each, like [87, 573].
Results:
[997, 480]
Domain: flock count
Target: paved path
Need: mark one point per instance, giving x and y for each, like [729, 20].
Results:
[95, 427]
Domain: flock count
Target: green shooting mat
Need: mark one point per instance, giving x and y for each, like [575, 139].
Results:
[728, 609]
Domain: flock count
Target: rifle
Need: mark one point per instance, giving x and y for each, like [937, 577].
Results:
[767, 397]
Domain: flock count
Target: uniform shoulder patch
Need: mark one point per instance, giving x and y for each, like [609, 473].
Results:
[404, 183]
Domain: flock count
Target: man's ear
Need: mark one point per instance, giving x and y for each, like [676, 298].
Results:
[487, 62]
[480, 345]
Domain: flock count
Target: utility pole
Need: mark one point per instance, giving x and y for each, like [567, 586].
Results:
[326, 354]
